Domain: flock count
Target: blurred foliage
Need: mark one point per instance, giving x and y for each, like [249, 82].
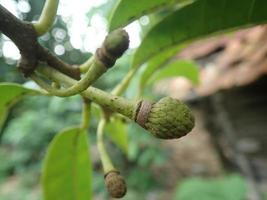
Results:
[26, 136]
[188, 69]
[117, 129]
[231, 187]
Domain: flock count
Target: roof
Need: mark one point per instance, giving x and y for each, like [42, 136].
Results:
[235, 59]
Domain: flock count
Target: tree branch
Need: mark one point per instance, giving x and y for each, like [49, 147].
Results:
[114, 45]
[24, 36]
[46, 56]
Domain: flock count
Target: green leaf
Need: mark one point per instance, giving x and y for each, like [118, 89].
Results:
[117, 131]
[199, 19]
[127, 11]
[185, 68]
[11, 93]
[154, 64]
[67, 169]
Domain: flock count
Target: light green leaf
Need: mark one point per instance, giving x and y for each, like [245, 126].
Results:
[154, 64]
[117, 131]
[10, 94]
[184, 68]
[127, 11]
[67, 169]
[199, 19]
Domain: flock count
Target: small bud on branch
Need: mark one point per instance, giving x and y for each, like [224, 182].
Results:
[114, 45]
[115, 184]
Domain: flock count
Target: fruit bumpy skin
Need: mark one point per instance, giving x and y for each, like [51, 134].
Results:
[169, 118]
[115, 184]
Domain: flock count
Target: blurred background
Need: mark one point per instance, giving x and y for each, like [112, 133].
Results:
[223, 158]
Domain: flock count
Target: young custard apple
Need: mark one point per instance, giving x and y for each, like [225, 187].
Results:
[168, 118]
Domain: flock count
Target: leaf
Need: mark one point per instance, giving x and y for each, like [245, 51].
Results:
[117, 131]
[127, 11]
[67, 169]
[11, 93]
[185, 68]
[154, 64]
[199, 19]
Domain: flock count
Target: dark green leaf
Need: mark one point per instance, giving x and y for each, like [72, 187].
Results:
[184, 68]
[117, 130]
[199, 19]
[67, 170]
[10, 94]
[127, 11]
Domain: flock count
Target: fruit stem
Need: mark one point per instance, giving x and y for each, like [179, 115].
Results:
[109, 101]
[106, 162]
[86, 65]
[93, 73]
[85, 114]
[122, 86]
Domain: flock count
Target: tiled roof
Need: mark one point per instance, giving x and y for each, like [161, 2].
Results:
[227, 61]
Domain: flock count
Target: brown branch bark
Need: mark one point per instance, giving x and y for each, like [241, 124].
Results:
[24, 36]
[46, 56]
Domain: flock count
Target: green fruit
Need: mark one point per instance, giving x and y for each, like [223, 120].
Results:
[168, 118]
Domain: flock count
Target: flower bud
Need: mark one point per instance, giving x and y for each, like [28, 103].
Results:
[117, 42]
[115, 184]
[114, 45]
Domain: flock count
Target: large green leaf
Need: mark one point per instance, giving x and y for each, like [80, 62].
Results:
[127, 11]
[117, 131]
[199, 19]
[184, 68]
[11, 93]
[67, 169]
